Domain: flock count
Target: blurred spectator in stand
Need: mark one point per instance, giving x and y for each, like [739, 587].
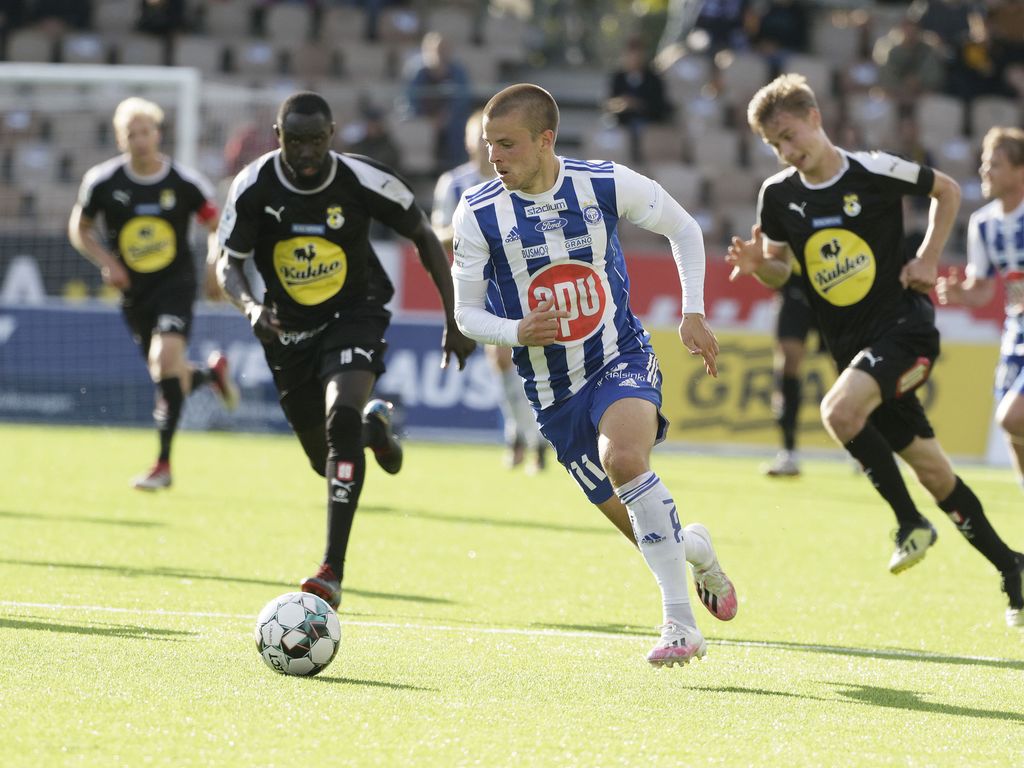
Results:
[952, 22]
[163, 18]
[910, 63]
[371, 136]
[915, 209]
[637, 94]
[250, 140]
[990, 62]
[437, 86]
[59, 15]
[777, 29]
[725, 23]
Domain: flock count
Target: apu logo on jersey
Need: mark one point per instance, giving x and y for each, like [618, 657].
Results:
[334, 217]
[851, 204]
[576, 287]
[167, 199]
[547, 225]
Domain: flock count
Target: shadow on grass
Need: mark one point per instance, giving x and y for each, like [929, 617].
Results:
[182, 573]
[601, 629]
[372, 509]
[896, 698]
[372, 683]
[891, 654]
[870, 695]
[131, 633]
[74, 519]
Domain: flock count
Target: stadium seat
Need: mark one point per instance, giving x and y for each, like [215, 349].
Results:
[684, 182]
[31, 45]
[742, 74]
[342, 23]
[685, 78]
[114, 17]
[941, 118]
[83, 48]
[834, 38]
[662, 143]
[874, 117]
[288, 23]
[365, 61]
[456, 24]
[602, 142]
[254, 58]
[141, 50]
[987, 111]
[227, 19]
[199, 51]
[417, 144]
[716, 151]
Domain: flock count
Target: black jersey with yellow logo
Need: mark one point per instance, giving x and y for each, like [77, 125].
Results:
[147, 219]
[847, 237]
[312, 247]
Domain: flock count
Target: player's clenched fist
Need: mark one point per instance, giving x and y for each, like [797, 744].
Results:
[540, 325]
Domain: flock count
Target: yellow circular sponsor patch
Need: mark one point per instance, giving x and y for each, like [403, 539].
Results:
[840, 266]
[147, 244]
[311, 269]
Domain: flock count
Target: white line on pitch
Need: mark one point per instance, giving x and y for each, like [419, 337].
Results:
[900, 653]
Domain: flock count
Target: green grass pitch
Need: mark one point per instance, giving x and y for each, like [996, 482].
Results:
[489, 618]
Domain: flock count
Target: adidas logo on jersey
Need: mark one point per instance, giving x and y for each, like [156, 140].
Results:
[513, 235]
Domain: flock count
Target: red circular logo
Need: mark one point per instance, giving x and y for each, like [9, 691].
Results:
[576, 288]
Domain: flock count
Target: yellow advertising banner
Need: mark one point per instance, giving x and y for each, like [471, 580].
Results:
[736, 407]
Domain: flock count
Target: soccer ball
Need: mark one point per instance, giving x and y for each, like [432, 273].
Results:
[297, 634]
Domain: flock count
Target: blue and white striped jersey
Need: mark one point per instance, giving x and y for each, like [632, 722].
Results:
[449, 190]
[561, 244]
[995, 247]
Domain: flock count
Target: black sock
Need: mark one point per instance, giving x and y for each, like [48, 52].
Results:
[201, 376]
[789, 386]
[167, 413]
[964, 509]
[875, 455]
[346, 468]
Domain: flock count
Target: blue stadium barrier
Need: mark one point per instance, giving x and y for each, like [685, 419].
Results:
[76, 364]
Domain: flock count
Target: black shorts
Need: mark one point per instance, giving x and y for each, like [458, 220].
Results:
[795, 317]
[167, 310]
[900, 363]
[302, 362]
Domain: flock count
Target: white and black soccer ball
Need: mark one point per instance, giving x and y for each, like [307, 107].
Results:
[298, 634]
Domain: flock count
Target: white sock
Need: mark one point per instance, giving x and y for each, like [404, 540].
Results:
[698, 551]
[659, 535]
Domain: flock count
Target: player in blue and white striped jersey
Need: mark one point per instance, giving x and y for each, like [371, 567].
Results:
[995, 250]
[538, 267]
[522, 437]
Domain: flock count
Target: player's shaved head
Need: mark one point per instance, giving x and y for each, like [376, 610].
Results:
[304, 103]
[786, 93]
[537, 106]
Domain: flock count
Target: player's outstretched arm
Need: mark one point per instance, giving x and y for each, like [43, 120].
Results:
[699, 339]
[234, 283]
[970, 291]
[435, 261]
[766, 262]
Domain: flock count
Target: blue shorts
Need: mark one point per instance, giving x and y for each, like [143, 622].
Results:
[571, 426]
[1009, 376]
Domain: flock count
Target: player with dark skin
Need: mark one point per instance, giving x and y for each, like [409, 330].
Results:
[307, 171]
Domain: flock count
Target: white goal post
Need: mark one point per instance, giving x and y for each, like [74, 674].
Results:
[106, 83]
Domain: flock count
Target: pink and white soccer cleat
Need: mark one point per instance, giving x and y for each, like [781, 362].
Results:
[714, 588]
[677, 645]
